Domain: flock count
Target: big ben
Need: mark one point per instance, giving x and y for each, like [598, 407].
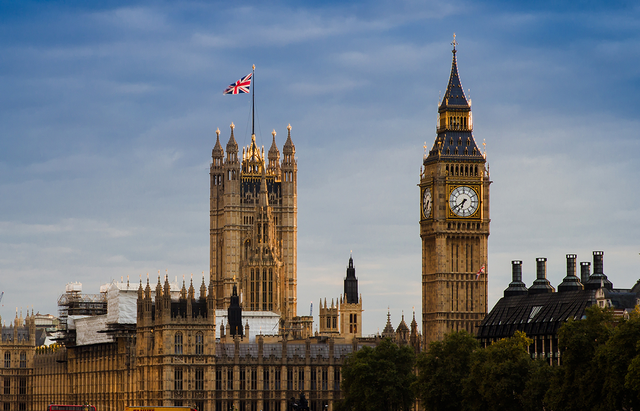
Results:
[454, 220]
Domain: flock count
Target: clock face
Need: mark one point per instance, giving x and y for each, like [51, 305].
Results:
[463, 201]
[426, 203]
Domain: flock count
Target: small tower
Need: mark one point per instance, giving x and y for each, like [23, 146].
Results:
[328, 316]
[351, 305]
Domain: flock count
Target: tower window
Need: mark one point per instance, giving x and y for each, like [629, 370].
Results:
[177, 346]
[199, 343]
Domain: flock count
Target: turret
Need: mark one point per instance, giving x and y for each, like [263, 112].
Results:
[274, 156]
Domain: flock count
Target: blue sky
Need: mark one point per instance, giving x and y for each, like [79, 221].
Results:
[108, 114]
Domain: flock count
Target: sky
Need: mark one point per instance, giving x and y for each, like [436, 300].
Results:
[108, 112]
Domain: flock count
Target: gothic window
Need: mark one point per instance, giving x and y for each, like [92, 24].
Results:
[199, 343]
[7, 359]
[177, 343]
[218, 379]
[242, 377]
[177, 379]
[276, 379]
[325, 378]
[199, 379]
[313, 378]
[254, 379]
[290, 378]
[7, 386]
[23, 359]
[336, 379]
[229, 378]
[300, 378]
[265, 379]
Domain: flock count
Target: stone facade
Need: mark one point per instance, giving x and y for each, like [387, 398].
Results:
[454, 221]
[253, 226]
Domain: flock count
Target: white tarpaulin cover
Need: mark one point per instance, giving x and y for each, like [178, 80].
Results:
[87, 330]
[260, 322]
[122, 303]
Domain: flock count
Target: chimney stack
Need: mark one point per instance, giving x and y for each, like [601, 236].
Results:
[571, 281]
[585, 271]
[598, 279]
[516, 287]
[541, 285]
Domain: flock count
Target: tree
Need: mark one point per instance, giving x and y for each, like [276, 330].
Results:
[578, 383]
[498, 375]
[615, 360]
[442, 371]
[378, 379]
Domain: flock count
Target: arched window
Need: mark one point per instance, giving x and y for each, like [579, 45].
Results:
[199, 343]
[177, 344]
[7, 359]
[23, 359]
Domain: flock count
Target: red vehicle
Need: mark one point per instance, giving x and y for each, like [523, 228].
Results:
[58, 407]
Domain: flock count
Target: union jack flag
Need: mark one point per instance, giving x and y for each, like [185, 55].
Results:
[480, 271]
[239, 87]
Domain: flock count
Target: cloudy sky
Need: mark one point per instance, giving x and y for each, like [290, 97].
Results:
[108, 112]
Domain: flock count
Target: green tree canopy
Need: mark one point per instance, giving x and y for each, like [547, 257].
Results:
[442, 371]
[498, 375]
[378, 379]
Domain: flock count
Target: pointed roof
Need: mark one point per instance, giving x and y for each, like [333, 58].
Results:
[388, 329]
[454, 96]
[273, 150]
[455, 144]
[217, 149]
[288, 147]
[232, 145]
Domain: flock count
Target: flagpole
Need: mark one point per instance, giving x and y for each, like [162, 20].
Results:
[253, 98]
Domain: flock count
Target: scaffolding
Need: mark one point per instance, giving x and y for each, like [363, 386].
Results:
[74, 304]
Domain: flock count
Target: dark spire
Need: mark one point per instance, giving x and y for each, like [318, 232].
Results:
[571, 282]
[234, 314]
[351, 284]
[455, 140]
[454, 96]
[516, 287]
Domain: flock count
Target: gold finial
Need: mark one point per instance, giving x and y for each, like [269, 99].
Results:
[425, 149]
[289, 127]
[454, 43]
[273, 133]
[232, 126]
[253, 67]
[218, 132]
[484, 148]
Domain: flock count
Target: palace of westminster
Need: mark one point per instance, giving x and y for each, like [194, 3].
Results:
[237, 342]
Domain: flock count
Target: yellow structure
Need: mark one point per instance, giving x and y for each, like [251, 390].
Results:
[253, 226]
[454, 221]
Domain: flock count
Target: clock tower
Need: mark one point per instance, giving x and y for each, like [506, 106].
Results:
[454, 220]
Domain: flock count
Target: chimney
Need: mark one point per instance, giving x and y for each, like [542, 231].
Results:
[598, 279]
[571, 281]
[516, 287]
[585, 271]
[541, 285]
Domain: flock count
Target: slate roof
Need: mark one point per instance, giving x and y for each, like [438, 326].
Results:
[535, 314]
[454, 96]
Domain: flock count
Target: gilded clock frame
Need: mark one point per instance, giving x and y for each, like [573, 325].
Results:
[424, 189]
[477, 188]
